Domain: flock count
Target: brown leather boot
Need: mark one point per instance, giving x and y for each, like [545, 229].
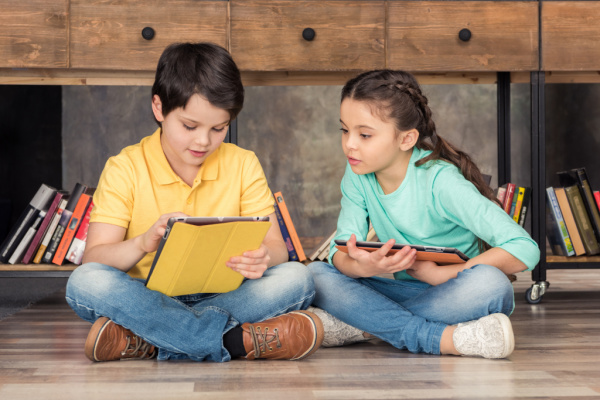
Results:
[291, 336]
[108, 341]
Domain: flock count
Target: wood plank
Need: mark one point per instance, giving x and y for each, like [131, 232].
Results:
[33, 33]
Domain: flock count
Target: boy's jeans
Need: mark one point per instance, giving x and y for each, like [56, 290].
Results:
[186, 326]
[411, 314]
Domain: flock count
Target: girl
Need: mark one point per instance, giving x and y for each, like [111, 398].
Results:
[416, 188]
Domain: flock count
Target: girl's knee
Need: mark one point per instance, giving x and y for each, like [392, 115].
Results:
[320, 268]
[493, 279]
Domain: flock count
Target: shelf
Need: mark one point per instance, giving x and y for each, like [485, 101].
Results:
[35, 270]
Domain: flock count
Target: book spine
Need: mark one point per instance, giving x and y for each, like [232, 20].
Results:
[525, 206]
[567, 214]
[290, 225]
[22, 247]
[49, 233]
[75, 253]
[71, 228]
[37, 239]
[40, 201]
[501, 194]
[597, 198]
[293, 256]
[582, 220]
[560, 234]
[510, 192]
[519, 204]
[588, 200]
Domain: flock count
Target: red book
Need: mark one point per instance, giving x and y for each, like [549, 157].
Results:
[75, 253]
[508, 198]
[290, 225]
[42, 229]
[67, 237]
[597, 198]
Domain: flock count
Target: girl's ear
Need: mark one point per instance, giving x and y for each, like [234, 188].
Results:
[157, 108]
[408, 139]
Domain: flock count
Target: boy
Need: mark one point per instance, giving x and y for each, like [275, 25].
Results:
[184, 168]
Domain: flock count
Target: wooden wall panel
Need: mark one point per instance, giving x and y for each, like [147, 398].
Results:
[33, 33]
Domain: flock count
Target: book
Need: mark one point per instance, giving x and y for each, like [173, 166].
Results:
[322, 248]
[290, 225]
[597, 198]
[582, 221]
[508, 198]
[17, 255]
[40, 201]
[192, 258]
[567, 214]
[556, 229]
[525, 206]
[71, 228]
[50, 231]
[37, 239]
[293, 256]
[578, 176]
[75, 253]
[518, 203]
[501, 193]
[63, 222]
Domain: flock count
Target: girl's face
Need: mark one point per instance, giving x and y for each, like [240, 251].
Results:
[191, 134]
[371, 144]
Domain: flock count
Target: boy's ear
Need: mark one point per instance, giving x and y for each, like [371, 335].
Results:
[408, 139]
[157, 108]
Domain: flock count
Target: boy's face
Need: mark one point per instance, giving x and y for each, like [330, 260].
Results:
[191, 134]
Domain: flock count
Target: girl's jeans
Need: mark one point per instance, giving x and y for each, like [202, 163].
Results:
[189, 326]
[411, 314]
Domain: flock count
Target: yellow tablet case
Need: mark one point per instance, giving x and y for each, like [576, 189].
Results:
[193, 257]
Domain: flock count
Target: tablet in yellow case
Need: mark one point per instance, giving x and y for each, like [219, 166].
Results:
[192, 254]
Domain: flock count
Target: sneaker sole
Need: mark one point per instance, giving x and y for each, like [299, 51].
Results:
[92, 340]
[318, 333]
[509, 343]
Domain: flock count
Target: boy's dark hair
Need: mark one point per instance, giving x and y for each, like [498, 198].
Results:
[185, 69]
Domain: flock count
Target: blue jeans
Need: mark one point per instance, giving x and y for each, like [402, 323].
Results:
[192, 326]
[411, 314]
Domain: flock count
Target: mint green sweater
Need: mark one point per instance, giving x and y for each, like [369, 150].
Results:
[435, 206]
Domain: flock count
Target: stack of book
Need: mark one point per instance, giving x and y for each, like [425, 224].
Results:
[515, 201]
[573, 215]
[288, 231]
[51, 229]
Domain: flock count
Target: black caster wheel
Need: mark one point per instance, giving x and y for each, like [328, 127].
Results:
[532, 295]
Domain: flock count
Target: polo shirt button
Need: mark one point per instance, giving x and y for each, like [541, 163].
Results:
[189, 201]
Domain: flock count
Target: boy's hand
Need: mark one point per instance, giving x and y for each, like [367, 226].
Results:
[377, 262]
[251, 264]
[150, 240]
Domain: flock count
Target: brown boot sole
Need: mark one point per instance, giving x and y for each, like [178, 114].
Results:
[93, 336]
[318, 331]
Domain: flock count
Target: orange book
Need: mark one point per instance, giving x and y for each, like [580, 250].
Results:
[290, 226]
[65, 241]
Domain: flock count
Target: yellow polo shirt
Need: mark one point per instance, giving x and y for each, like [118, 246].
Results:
[138, 185]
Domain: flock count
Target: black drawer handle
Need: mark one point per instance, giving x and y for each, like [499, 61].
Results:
[464, 35]
[308, 34]
[148, 33]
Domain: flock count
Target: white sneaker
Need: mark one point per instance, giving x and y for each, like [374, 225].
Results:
[338, 333]
[489, 337]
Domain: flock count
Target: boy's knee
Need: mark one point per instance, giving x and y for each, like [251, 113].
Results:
[296, 274]
[88, 278]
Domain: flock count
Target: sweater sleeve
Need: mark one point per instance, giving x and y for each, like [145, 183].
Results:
[458, 200]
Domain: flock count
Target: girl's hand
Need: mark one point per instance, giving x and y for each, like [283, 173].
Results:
[378, 262]
[426, 271]
[251, 264]
[150, 240]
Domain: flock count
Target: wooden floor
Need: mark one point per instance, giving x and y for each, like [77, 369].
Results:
[557, 355]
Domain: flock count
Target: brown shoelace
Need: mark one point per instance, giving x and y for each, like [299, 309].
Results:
[131, 351]
[260, 347]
